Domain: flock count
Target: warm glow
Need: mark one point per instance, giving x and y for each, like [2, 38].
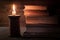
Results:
[35, 7]
[35, 10]
[14, 10]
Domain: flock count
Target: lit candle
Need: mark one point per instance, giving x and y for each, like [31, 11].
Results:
[14, 10]
[14, 23]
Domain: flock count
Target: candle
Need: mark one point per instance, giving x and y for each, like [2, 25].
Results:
[14, 23]
[13, 10]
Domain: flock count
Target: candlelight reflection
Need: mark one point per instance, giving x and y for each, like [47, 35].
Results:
[35, 10]
[14, 10]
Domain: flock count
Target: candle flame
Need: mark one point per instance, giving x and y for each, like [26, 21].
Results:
[14, 10]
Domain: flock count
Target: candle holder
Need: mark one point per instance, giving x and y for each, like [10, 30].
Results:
[14, 26]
